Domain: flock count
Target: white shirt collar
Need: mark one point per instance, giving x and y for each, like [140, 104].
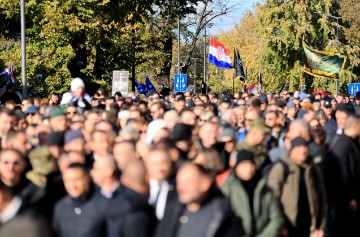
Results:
[110, 194]
[11, 210]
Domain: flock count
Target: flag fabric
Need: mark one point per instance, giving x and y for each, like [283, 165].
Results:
[260, 81]
[250, 89]
[9, 74]
[238, 65]
[322, 64]
[218, 54]
[141, 87]
[149, 86]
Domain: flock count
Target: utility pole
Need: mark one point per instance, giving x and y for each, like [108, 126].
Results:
[179, 45]
[195, 59]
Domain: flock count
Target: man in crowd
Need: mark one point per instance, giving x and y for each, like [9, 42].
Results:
[298, 185]
[200, 209]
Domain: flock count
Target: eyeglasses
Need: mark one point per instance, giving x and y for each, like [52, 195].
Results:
[32, 114]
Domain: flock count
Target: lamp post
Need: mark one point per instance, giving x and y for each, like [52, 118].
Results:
[23, 49]
[336, 38]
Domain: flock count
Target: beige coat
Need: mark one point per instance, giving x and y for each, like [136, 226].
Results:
[285, 185]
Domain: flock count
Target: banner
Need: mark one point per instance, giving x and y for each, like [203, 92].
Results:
[322, 64]
[238, 65]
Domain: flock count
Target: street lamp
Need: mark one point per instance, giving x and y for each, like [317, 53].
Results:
[336, 38]
[337, 27]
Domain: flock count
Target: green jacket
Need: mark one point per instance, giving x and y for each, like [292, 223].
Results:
[267, 210]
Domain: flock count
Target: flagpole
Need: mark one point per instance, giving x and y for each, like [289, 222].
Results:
[221, 76]
[205, 59]
[233, 89]
[23, 50]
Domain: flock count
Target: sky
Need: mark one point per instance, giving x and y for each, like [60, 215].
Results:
[226, 22]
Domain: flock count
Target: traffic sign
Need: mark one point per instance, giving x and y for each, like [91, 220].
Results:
[353, 88]
[180, 83]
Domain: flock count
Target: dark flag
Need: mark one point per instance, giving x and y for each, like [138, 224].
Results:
[238, 65]
[244, 88]
[323, 64]
[260, 81]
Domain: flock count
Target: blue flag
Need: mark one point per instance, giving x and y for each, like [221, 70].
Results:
[8, 73]
[140, 87]
[149, 86]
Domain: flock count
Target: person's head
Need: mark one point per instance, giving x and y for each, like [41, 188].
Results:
[299, 128]
[76, 180]
[70, 111]
[100, 143]
[104, 171]
[299, 151]
[77, 87]
[18, 140]
[26, 103]
[12, 167]
[158, 164]
[272, 119]
[340, 98]
[352, 126]
[134, 176]
[208, 134]
[7, 121]
[341, 114]
[54, 98]
[157, 110]
[188, 117]
[328, 108]
[250, 115]
[245, 167]
[58, 120]
[210, 160]
[257, 133]
[124, 152]
[192, 183]
[74, 141]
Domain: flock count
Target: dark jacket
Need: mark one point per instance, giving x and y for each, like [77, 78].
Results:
[67, 215]
[267, 209]
[222, 223]
[127, 213]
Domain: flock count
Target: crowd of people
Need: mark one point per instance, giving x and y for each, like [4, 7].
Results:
[182, 165]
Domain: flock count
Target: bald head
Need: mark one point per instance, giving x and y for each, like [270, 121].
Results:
[134, 176]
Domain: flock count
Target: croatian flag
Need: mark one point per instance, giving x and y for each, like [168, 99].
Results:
[219, 55]
[149, 86]
[8, 73]
[140, 87]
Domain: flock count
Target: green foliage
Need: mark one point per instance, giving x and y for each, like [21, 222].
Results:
[89, 38]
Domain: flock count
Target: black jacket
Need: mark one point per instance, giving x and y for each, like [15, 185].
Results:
[222, 224]
[127, 213]
[67, 215]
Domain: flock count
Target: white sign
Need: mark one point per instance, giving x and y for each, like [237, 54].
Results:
[120, 82]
